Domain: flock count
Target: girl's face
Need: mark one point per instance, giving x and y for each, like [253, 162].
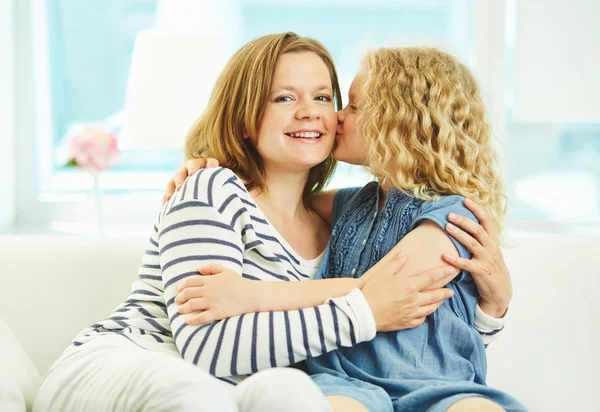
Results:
[350, 146]
[297, 129]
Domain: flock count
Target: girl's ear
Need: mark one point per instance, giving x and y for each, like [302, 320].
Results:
[245, 135]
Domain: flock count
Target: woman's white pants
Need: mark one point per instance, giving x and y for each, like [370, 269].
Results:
[111, 373]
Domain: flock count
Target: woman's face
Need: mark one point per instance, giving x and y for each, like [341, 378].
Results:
[297, 129]
[350, 146]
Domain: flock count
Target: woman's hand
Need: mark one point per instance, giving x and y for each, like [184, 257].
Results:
[219, 294]
[188, 169]
[400, 301]
[487, 264]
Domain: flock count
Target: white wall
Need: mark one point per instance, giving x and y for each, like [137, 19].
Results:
[557, 61]
[7, 113]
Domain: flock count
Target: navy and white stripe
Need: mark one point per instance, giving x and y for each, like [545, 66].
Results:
[215, 220]
[488, 327]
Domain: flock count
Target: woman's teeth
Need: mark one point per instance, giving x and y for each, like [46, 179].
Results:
[305, 135]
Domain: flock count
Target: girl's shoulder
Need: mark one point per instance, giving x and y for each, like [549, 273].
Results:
[353, 198]
[438, 209]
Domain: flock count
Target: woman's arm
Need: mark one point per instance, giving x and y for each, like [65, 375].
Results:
[192, 232]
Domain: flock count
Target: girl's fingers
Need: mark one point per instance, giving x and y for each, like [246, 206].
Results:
[210, 162]
[474, 229]
[193, 305]
[190, 167]
[484, 218]
[465, 239]
[180, 176]
[201, 318]
[187, 294]
[169, 192]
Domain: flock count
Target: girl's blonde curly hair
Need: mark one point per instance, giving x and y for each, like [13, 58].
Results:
[426, 129]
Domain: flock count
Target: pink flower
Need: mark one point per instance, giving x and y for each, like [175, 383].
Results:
[93, 150]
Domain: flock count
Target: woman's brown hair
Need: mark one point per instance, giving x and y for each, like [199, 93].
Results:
[237, 103]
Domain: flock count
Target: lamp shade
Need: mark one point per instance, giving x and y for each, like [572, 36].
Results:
[170, 80]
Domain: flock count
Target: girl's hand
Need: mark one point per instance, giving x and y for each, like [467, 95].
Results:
[188, 169]
[219, 294]
[399, 301]
[487, 264]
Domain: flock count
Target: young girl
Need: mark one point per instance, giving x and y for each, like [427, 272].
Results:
[422, 131]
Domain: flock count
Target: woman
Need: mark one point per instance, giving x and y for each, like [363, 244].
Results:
[132, 359]
[426, 139]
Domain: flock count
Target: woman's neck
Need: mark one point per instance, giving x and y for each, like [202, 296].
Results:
[283, 194]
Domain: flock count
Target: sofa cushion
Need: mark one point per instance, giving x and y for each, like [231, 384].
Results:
[19, 377]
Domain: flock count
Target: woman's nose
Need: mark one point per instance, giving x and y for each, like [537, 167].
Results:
[309, 111]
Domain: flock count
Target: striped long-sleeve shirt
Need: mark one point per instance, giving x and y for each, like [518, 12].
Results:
[214, 219]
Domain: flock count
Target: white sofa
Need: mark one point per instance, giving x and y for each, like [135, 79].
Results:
[53, 287]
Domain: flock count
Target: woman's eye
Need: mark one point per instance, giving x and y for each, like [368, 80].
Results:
[283, 99]
[353, 108]
[324, 98]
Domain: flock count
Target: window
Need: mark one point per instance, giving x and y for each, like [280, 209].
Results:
[82, 51]
[90, 45]
[552, 132]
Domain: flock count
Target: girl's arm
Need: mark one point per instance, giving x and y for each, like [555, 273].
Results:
[322, 203]
[222, 293]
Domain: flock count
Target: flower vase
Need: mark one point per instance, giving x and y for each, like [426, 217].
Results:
[96, 195]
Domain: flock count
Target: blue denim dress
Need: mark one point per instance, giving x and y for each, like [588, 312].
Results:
[423, 369]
